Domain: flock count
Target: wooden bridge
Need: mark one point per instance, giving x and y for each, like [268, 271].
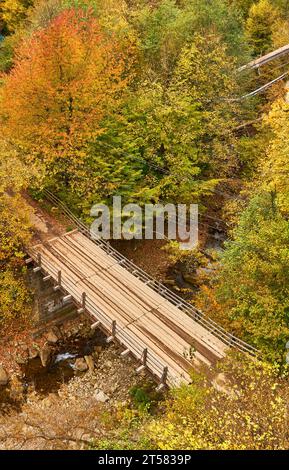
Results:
[257, 63]
[167, 335]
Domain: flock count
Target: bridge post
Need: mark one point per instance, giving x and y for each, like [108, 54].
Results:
[67, 298]
[163, 380]
[58, 285]
[82, 308]
[144, 361]
[125, 353]
[38, 268]
[95, 325]
[113, 332]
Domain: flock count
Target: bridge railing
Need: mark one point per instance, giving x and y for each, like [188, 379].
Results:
[265, 58]
[210, 325]
[121, 333]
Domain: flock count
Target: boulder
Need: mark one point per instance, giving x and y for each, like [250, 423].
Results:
[90, 362]
[3, 376]
[51, 337]
[33, 353]
[45, 355]
[100, 396]
[80, 364]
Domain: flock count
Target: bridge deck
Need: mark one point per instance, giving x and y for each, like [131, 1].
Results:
[144, 318]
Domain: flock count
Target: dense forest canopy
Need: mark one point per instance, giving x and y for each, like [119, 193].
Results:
[143, 99]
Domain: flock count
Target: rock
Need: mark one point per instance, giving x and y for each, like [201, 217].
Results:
[3, 376]
[51, 337]
[80, 364]
[33, 353]
[98, 349]
[45, 355]
[90, 362]
[56, 330]
[100, 396]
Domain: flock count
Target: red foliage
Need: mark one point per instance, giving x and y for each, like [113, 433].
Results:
[65, 79]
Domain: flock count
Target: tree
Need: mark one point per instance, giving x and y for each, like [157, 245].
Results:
[250, 294]
[166, 28]
[14, 224]
[42, 13]
[223, 413]
[243, 5]
[252, 286]
[162, 128]
[260, 26]
[199, 416]
[14, 12]
[15, 299]
[274, 165]
[185, 126]
[65, 79]
[15, 234]
[112, 167]
[205, 75]
[162, 31]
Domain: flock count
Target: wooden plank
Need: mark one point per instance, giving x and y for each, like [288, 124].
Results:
[120, 301]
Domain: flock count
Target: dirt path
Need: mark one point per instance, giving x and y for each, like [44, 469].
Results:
[45, 225]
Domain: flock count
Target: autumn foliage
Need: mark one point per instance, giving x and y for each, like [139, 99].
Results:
[65, 77]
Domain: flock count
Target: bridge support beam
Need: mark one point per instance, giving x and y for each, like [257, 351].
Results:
[58, 285]
[125, 353]
[144, 361]
[67, 298]
[95, 325]
[83, 303]
[38, 268]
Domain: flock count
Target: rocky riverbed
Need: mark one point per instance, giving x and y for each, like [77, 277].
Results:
[68, 361]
